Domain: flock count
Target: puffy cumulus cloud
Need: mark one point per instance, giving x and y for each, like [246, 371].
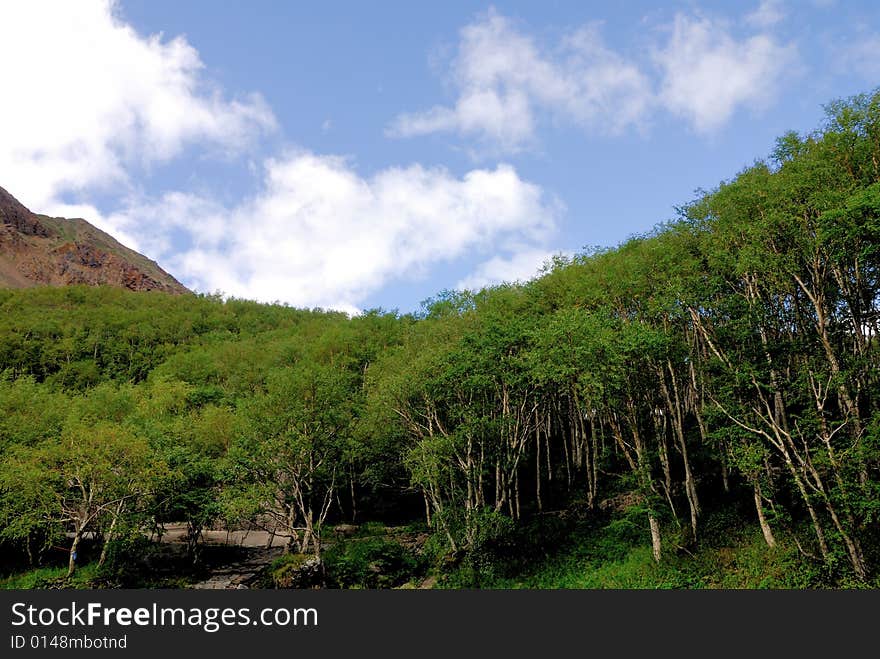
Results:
[707, 73]
[86, 98]
[522, 264]
[701, 69]
[503, 79]
[320, 234]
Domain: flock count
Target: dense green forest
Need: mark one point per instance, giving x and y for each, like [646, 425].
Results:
[713, 383]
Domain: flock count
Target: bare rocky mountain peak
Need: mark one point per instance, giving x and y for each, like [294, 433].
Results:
[15, 215]
[37, 250]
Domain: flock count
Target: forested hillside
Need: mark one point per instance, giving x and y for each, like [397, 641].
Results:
[722, 367]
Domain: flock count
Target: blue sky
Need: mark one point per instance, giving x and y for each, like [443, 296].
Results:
[358, 155]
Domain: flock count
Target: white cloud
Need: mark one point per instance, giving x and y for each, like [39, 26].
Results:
[504, 79]
[506, 83]
[320, 234]
[522, 265]
[859, 55]
[768, 14]
[86, 98]
[707, 74]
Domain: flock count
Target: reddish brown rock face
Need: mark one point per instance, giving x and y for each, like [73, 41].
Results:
[38, 250]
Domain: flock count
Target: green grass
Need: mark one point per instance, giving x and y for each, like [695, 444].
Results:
[731, 554]
[748, 564]
[48, 577]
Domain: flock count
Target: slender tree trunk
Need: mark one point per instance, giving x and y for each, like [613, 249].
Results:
[663, 453]
[516, 495]
[595, 447]
[499, 501]
[353, 500]
[71, 563]
[30, 553]
[316, 543]
[814, 517]
[642, 469]
[675, 405]
[567, 462]
[725, 478]
[547, 449]
[655, 537]
[762, 520]
[293, 539]
[538, 467]
[109, 538]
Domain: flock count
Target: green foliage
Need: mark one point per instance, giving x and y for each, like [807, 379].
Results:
[374, 562]
[489, 539]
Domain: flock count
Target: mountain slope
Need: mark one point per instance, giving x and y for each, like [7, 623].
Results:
[37, 250]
